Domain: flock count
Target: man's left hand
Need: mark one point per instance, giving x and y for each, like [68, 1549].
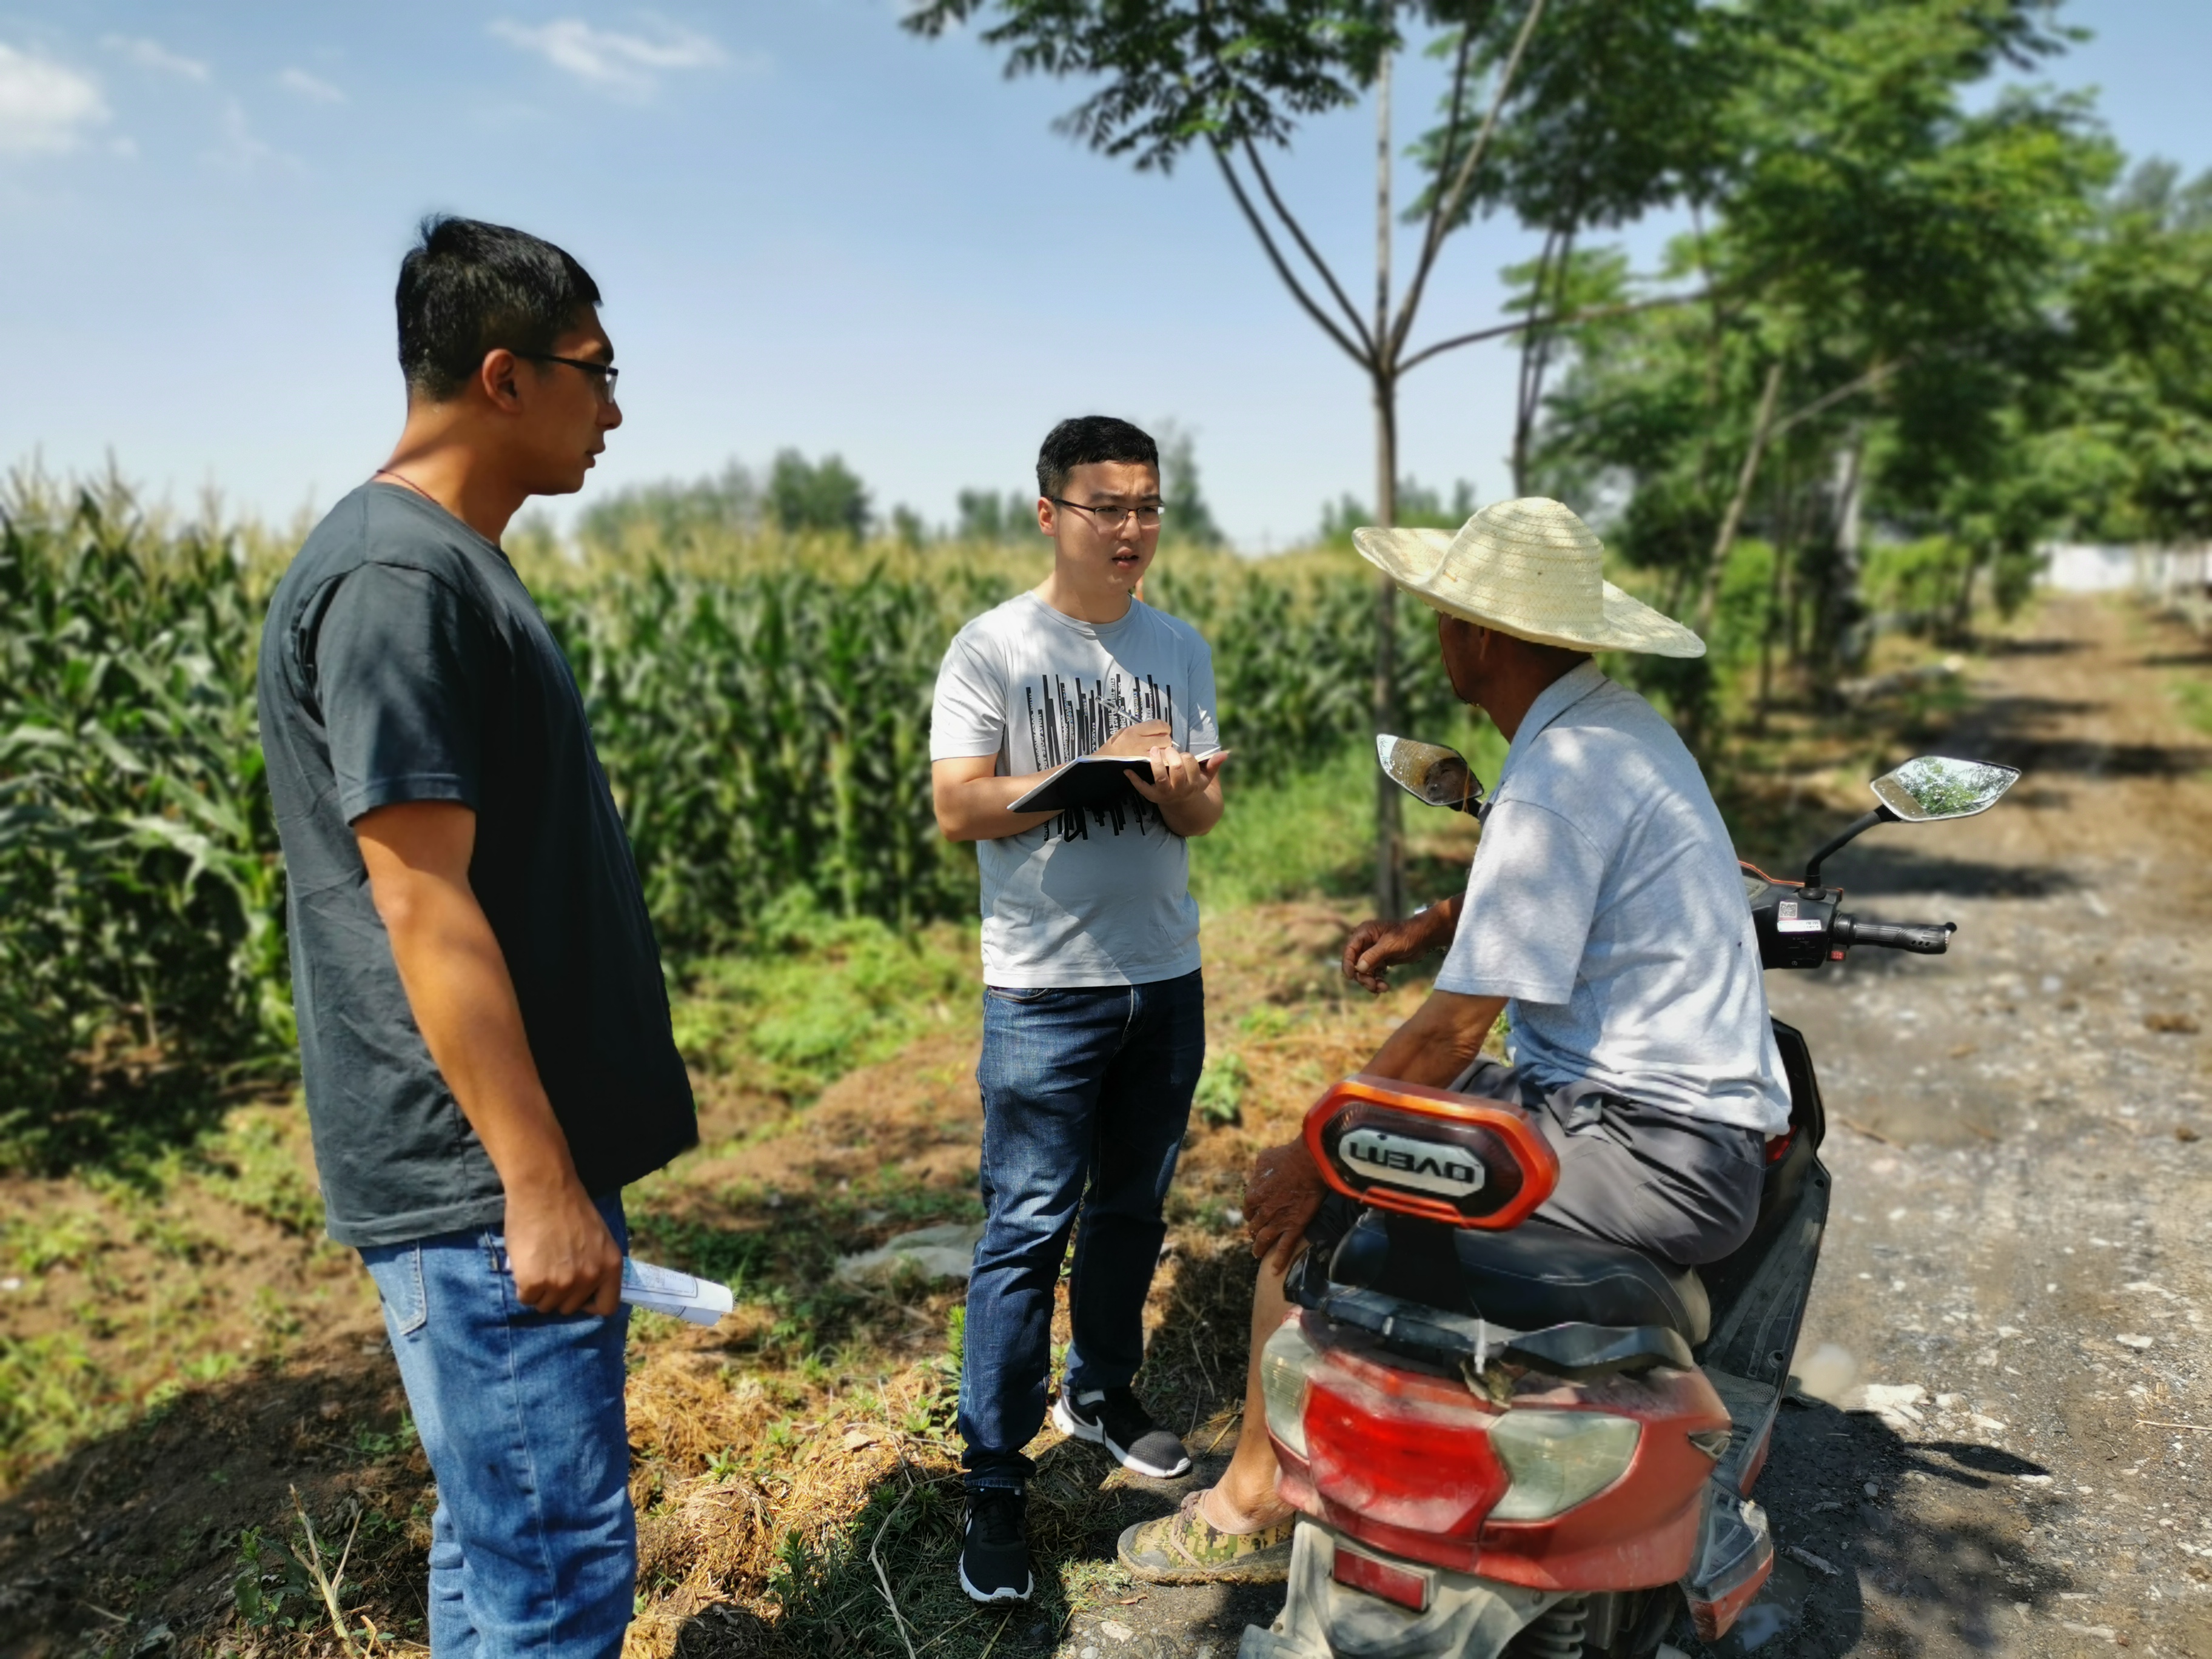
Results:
[1176, 776]
[1281, 1196]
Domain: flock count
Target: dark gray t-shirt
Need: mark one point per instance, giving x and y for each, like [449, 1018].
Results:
[404, 660]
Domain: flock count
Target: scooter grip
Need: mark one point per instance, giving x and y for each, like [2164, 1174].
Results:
[1927, 941]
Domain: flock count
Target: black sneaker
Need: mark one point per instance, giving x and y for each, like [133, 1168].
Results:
[994, 1555]
[1114, 1420]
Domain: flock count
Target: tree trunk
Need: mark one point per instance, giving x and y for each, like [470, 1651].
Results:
[1724, 542]
[1389, 849]
[1778, 596]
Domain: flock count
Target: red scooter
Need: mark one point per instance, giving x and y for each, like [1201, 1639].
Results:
[1506, 1437]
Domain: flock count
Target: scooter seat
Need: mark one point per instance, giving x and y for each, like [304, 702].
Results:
[1525, 1278]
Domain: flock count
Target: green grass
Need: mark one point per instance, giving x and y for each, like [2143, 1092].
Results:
[824, 996]
[1313, 833]
[2195, 697]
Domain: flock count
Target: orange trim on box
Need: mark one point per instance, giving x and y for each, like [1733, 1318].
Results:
[1540, 1164]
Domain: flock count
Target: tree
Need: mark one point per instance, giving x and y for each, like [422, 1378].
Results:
[1880, 264]
[1188, 519]
[1235, 77]
[824, 497]
[986, 516]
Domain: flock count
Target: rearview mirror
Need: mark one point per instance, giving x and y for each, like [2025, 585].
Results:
[1932, 787]
[1431, 773]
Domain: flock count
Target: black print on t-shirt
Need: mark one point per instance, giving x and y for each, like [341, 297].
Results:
[1068, 722]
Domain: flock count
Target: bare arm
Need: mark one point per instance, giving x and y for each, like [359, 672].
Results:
[1441, 1040]
[1375, 947]
[458, 987]
[971, 803]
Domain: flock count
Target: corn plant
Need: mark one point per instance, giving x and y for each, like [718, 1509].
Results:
[762, 711]
[138, 873]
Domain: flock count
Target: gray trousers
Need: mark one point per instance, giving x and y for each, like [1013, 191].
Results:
[1656, 1181]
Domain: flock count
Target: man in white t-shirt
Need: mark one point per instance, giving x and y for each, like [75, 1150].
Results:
[1094, 1015]
[1604, 914]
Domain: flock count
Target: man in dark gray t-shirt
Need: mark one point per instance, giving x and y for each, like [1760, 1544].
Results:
[483, 1027]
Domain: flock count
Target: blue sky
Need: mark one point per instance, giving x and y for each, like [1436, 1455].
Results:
[812, 229]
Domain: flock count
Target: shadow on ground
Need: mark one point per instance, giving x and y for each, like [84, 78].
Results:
[138, 1533]
[1892, 1546]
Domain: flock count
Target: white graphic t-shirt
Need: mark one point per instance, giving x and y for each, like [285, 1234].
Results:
[1102, 895]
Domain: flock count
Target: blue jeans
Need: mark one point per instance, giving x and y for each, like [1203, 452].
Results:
[533, 1548]
[1087, 1086]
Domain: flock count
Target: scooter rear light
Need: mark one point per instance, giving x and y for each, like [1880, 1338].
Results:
[1556, 1459]
[1420, 1466]
[1407, 1586]
[1283, 1365]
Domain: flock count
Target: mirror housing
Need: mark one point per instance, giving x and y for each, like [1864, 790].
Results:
[1431, 774]
[1926, 789]
[1931, 787]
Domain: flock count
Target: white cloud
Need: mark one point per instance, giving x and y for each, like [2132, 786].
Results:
[44, 105]
[628, 66]
[312, 87]
[153, 55]
[241, 150]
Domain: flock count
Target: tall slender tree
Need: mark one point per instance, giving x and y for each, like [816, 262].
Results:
[1233, 78]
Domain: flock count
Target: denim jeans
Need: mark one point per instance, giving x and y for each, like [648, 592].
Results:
[1086, 1093]
[533, 1548]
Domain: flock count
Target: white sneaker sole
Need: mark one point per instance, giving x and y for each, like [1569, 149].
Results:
[1069, 1423]
[974, 1594]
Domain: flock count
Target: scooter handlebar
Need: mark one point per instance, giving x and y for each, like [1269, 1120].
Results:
[1927, 941]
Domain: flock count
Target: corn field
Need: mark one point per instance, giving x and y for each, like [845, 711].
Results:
[763, 715]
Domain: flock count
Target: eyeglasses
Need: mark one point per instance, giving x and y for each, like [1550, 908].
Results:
[1107, 518]
[606, 373]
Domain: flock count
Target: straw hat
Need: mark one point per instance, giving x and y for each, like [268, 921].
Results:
[1528, 567]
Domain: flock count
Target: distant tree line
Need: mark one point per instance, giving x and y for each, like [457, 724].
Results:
[799, 497]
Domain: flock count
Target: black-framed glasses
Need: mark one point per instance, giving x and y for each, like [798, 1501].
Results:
[607, 373]
[1110, 518]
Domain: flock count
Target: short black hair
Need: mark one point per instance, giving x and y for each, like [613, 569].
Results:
[467, 288]
[1087, 440]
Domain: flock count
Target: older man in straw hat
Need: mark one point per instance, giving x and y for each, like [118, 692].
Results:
[1604, 914]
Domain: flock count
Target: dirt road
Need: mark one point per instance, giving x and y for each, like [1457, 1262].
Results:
[2018, 1262]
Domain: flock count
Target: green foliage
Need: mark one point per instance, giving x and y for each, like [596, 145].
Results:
[1419, 506]
[824, 497]
[762, 710]
[670, 516]
[986, 516]
[139, 882]
[769, 729]
[1227, 72]
[1187, 519]
[817, 996]
[1219, 1099]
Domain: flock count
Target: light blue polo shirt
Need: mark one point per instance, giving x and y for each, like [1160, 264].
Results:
[1606, 906]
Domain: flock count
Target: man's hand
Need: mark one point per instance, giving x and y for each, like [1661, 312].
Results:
[1138, 741]
[1185, 788]
[1375, 947]
[563, 1258]
[1281, 1196]
[1176, 776]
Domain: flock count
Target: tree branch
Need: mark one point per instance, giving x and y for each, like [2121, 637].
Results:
[1451, 130]
[1359, 353]
[1313, 255]
[1596, 314]
[1461, 184]
[1866, 382]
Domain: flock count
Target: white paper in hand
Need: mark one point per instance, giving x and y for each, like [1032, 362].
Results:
[665, 1290]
